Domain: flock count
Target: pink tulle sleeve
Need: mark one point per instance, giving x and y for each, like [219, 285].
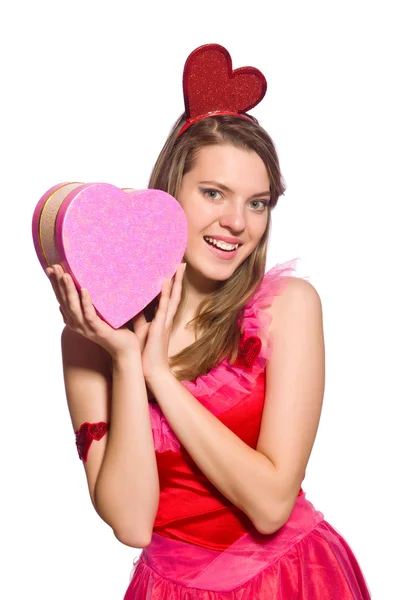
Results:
[257, 319]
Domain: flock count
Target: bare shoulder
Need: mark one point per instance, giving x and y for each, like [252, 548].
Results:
[298, 297]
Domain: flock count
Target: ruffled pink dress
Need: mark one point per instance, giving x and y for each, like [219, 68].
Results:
[205, 548]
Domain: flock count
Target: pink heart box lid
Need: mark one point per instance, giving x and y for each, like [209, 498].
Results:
[120, 245]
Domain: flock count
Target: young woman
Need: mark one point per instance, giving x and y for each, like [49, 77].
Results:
[196, 420]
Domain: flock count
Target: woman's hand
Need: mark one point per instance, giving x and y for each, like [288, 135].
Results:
[155, 352]
[80, 315]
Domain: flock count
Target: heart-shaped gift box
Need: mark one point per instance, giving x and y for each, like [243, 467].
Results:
[118, 244]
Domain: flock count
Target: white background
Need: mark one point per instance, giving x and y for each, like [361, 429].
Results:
[89, 93]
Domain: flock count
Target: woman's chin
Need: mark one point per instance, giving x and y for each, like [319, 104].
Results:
[212, 272]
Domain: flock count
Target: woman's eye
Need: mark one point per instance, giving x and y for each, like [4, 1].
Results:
[211, 194]
[260, 204]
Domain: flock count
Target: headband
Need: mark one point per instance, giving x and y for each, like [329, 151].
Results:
[211, 87]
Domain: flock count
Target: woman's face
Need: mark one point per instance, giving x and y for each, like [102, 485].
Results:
[225, 198]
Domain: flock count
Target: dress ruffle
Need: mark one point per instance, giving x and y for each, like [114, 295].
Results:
[320, 565]
[225, 385]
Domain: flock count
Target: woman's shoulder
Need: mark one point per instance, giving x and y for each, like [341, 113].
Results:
[295, 290]
[297, 298]
[273, 283]
[279, 291]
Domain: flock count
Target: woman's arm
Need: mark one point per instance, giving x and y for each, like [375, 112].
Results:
[263, 482]
[121, 468]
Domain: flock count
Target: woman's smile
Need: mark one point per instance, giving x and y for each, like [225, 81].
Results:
[221, 249]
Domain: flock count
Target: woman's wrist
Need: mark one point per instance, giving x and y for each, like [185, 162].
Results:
[126, 357]
[159, 377]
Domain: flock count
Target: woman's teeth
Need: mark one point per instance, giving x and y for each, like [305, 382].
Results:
[221, 245]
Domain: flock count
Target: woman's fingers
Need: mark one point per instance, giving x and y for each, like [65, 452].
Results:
[62, 291]
[89, 311]
[139, 321]
[54, 283]
[176, 292]
[140, 327]
[170, 298]
[161, 312]
[77, 311]
[65, 319]
[73, 302]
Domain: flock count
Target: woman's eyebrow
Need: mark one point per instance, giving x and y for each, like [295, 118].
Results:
[227, 189]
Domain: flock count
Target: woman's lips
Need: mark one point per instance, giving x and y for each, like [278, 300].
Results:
[224, 254]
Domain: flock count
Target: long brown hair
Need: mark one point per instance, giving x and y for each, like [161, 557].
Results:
[216, 323]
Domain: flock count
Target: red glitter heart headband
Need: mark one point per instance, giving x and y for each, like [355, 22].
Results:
[211, 87]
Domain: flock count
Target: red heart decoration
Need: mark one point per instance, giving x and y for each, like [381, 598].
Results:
[86, 434]
[98, 430]
[248, 352]
[210, 84]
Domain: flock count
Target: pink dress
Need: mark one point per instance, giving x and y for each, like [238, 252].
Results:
[205, 548]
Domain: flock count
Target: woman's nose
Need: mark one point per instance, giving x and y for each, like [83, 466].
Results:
[233, 217]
